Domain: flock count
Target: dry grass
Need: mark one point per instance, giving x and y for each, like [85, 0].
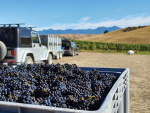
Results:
[139, 68]
[137, 36]
[76, 36]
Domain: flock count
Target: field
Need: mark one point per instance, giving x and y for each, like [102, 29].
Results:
[133, 35]
[139, 69]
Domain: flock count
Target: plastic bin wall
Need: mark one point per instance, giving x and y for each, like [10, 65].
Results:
[116, 101]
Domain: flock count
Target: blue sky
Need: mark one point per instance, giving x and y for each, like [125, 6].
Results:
[75, 14]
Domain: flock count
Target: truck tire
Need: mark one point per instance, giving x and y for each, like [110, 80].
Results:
[57, 57]
[3, 50]
[28, 60]
[49, 60]
[60, 55]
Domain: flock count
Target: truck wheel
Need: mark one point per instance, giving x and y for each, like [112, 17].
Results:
[60, 55]
[28, 60]
[49, 60]
[57, 57]
[3, 50]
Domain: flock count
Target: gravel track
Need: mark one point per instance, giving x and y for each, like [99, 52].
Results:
[139, 68]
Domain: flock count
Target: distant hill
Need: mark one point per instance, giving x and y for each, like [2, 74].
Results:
[99, 30]
[129, 35]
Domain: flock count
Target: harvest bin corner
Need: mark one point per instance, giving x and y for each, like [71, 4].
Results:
[116, 101]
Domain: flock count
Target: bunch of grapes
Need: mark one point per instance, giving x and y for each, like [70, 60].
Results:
[65, 86]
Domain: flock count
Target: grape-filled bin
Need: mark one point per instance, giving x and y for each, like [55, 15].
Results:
[116, 101]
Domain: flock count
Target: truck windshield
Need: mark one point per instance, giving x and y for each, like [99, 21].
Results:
[8, 36]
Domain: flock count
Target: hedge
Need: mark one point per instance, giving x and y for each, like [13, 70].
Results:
[87, 45]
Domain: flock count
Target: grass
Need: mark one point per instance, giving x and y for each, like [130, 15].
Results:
[111, 51]
[137, 36]
[143, 53]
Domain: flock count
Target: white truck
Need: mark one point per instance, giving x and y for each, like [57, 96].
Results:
[24, 45]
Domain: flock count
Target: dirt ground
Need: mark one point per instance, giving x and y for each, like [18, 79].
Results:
[139, 68]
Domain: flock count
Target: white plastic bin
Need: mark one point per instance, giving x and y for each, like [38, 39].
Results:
[116, 101]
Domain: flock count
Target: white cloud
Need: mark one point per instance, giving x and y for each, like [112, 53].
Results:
[131, 20]
[84, 19]
[136, 15]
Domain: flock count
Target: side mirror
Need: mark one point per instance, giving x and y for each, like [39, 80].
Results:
[40, 45]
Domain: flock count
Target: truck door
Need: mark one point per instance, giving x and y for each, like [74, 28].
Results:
[36, 46]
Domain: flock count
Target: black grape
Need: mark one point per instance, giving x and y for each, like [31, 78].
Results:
[65, 86]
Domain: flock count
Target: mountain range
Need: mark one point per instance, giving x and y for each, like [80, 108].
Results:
[99, 30]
